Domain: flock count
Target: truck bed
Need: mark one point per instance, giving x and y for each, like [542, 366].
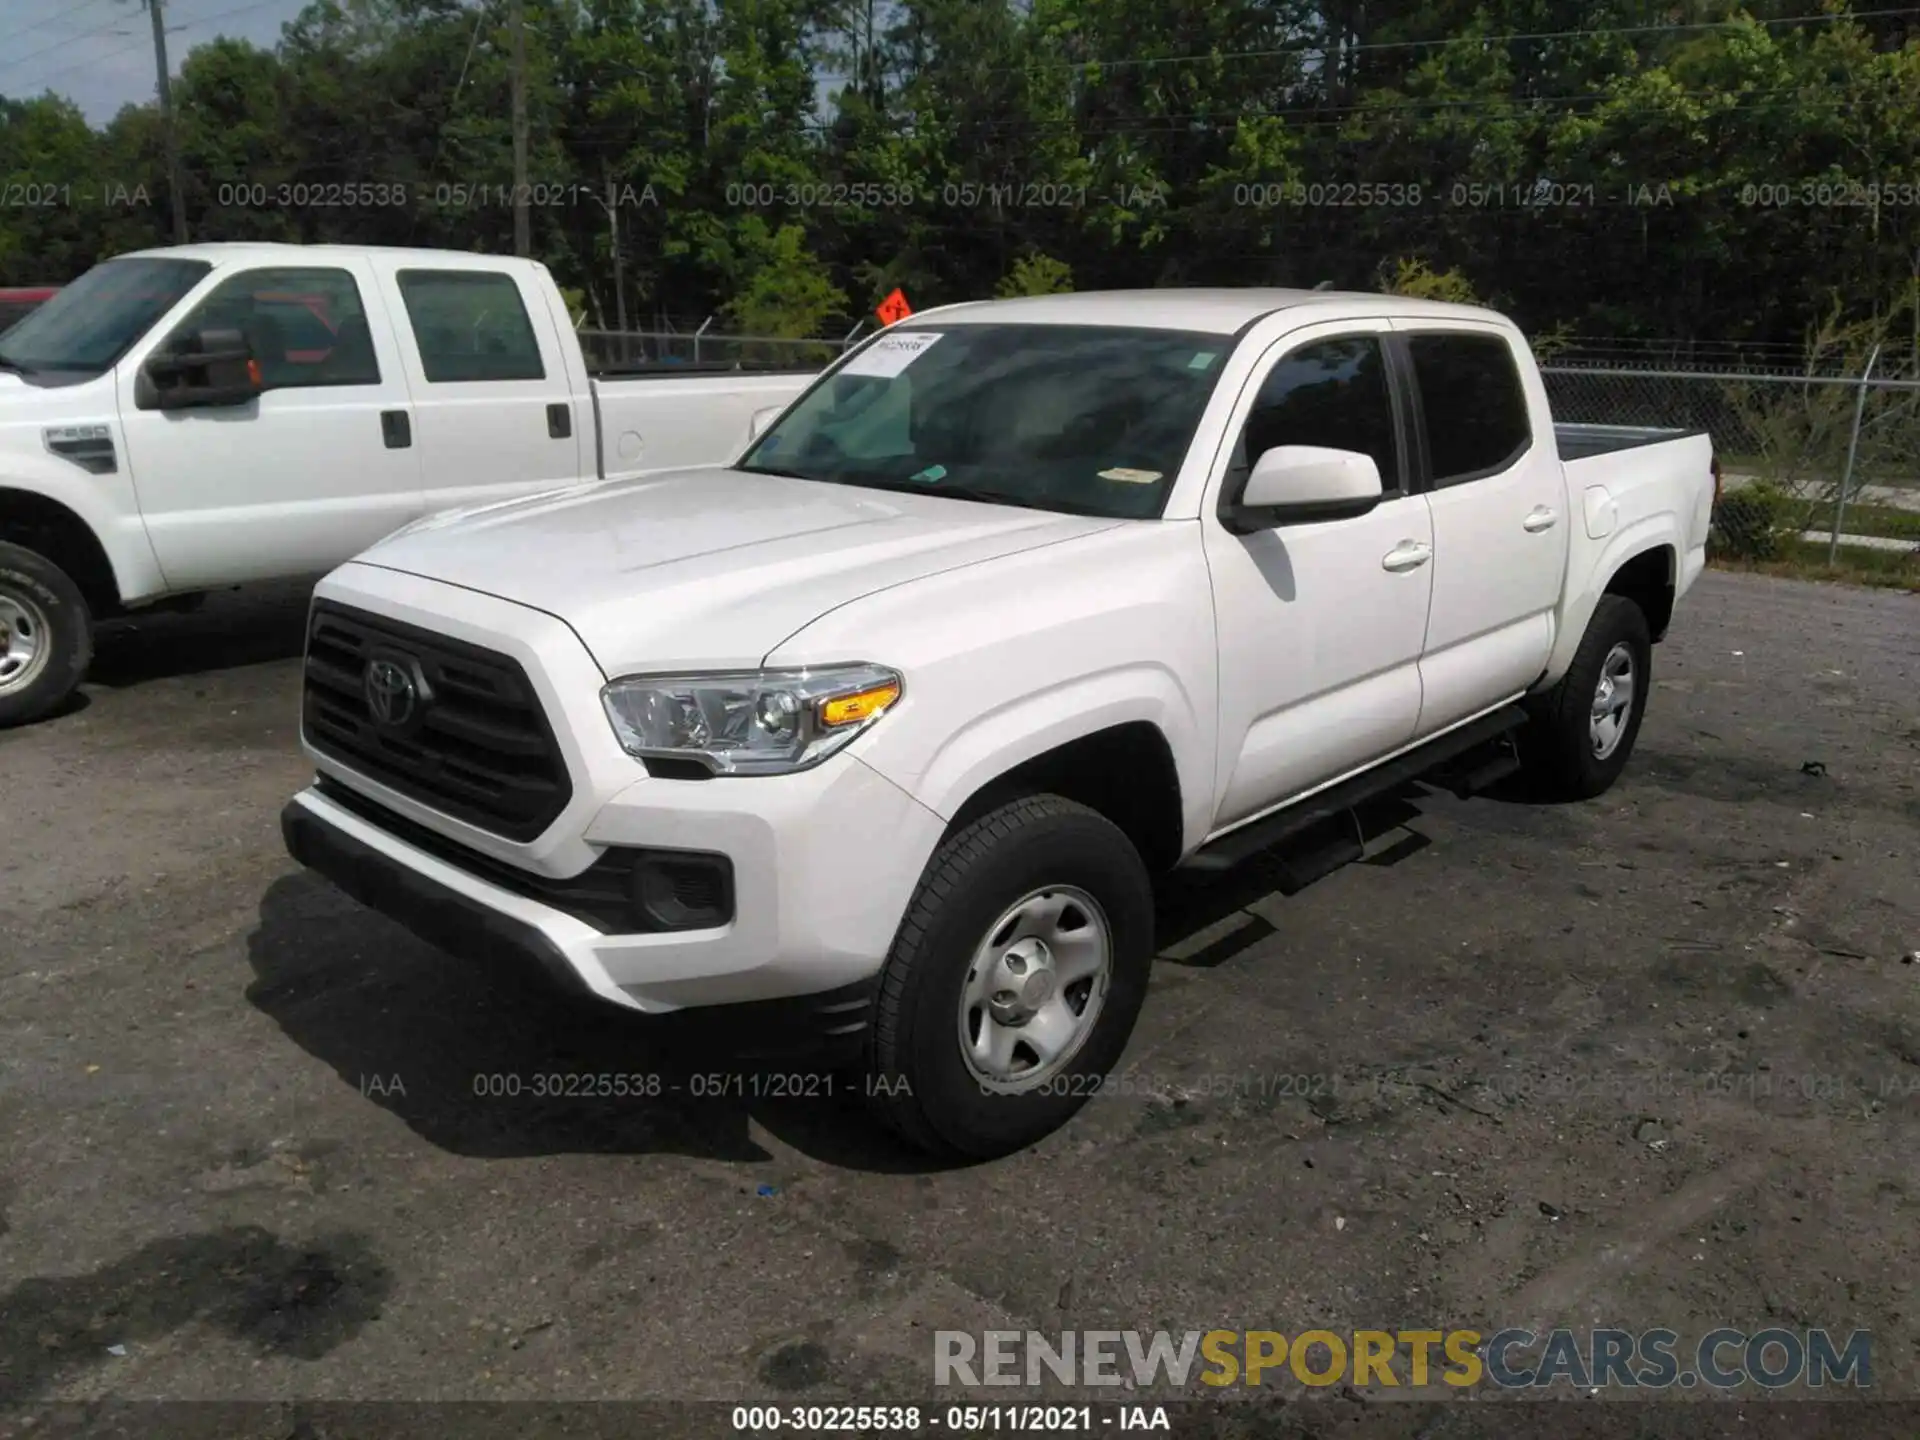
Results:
[660, 420]
[1583, 442]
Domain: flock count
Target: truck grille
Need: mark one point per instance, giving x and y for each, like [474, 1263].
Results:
[459, 728]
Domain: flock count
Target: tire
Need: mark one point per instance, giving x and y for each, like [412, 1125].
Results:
[1562, 748]
[42, 612]
[920, 1079]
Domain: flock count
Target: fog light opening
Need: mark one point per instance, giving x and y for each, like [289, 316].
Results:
[684, 892]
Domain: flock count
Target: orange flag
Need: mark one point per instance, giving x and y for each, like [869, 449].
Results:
[894, 308]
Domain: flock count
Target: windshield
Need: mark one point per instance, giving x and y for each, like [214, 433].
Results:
[93, 322]
[1089, 420]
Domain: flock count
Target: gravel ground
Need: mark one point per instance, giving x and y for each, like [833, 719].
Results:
[1648, 1061]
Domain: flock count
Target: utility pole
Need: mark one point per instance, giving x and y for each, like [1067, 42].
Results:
[522, 229]
[619, 260]
[169, 134]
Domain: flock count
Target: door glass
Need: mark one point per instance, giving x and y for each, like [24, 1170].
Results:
[1331, 393]
[470, 325]
[306, 325]
[1473, 403]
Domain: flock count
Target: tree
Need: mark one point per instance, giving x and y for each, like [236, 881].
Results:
[1035, 274]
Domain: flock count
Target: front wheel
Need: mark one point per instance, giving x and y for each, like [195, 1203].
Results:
[46, 638]
[1583, 729]
[1014, 981]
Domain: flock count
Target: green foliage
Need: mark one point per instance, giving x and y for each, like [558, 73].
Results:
[784, 289]
[770, 159]
[1416, 278]
[1751, 521]
[1035, 274]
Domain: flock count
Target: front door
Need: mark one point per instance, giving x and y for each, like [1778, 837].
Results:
[1319, 625]
[304, 476]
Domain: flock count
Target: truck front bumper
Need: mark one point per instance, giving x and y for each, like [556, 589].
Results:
[820, 875]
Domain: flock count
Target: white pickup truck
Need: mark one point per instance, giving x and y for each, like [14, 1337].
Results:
[193, 418]
[872, 740]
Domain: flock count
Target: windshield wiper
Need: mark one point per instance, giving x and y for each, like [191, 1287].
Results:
[952, 492]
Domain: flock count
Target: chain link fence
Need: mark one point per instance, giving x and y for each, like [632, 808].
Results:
[1807, 459]
[613, 351]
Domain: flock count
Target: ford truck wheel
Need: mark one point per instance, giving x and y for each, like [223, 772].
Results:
[46, 639]
[1584, 728]
[1014, 981]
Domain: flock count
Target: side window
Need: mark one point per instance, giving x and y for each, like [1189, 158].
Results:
[470, 325]
[306, 325]
[1332, 393]
[1473, 403]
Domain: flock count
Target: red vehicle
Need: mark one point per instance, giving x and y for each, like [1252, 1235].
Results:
[16, 304]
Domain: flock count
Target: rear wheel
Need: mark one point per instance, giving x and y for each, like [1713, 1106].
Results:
[1584, 728]
[1014, 981]
[46, 638]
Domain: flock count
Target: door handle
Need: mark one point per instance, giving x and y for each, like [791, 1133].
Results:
[1407, 555]
[1541, 518]
[396, 429]
[559, 420]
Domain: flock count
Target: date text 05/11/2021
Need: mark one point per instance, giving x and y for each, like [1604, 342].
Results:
[950, 1419]
[650, 1085]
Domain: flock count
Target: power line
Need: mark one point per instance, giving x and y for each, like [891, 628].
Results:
[225, 14]
[42, 24]
[91, 60]
[62, 44]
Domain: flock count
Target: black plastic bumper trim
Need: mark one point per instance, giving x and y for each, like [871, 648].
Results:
[827, 1028]
[437, 913]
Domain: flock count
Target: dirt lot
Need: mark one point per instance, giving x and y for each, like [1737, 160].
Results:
[1651, 1061]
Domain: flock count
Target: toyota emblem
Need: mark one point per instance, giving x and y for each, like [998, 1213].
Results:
[391, 695]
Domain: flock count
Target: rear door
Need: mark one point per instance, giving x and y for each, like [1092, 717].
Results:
[1497, 494]
[299, 479]
[495, 411]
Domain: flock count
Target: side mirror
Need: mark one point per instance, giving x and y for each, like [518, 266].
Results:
[1299, 484]
[762, 419]
[203, 368]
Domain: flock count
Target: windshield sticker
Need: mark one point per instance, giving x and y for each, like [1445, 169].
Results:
[891, 354]
[931, 474]
[1132, 477]
[1203, 359]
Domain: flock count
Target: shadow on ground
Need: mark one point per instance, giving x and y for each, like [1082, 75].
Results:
[246, 627]
[490, 1062]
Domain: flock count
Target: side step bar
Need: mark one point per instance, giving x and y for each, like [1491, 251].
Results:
[1238, 845]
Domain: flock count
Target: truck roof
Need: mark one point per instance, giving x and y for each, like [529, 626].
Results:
[1220, 311]
[244, 252]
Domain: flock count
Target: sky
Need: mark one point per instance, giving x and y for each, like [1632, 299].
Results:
[99, 53]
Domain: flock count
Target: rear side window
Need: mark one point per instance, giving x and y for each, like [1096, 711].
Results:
[470, 325]
[1473, 404]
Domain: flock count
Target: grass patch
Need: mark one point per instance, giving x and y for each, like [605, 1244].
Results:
[1807, 560]
[1867, 520]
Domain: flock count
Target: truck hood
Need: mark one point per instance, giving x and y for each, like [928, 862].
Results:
[708, 568]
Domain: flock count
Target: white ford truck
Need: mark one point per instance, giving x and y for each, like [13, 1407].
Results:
[192, 418]
[872, 740]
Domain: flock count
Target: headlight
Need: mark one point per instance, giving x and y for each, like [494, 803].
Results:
[750, 722]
